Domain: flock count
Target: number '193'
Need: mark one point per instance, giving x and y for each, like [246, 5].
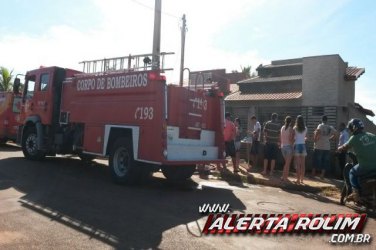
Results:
[144, 113]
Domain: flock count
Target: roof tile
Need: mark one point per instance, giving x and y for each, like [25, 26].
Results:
[238, 96]
[353, 73]
[272, 79]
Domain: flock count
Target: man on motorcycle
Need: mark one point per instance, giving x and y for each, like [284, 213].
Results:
[363, 144]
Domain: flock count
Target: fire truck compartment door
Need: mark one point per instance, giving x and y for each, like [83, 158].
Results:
[93, 139]
[191, 153]
[179, 149]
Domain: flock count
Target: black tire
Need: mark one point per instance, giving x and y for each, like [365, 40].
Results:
[346, 189]
[178, 173]
[122, 165]
[30, 145]
[343, 194]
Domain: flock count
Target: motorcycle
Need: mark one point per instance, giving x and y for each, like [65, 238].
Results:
[368, 186]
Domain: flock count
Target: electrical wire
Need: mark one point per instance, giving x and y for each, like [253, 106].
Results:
[152, 8]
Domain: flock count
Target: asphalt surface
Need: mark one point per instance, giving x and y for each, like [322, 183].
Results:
[63, 203]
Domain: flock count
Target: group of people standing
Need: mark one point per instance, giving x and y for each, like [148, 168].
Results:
[293, 140]
[289, 138]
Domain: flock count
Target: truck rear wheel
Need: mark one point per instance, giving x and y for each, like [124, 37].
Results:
[30, 145]
[178, 173]
[122, 165]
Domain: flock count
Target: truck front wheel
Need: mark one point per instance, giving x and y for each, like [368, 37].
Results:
[178, 173]
[30, 145]
[122, 165]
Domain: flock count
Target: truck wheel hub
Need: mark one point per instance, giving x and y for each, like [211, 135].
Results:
[121, 162]
[31, 144]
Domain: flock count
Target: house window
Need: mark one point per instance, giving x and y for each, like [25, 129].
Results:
[317, 111]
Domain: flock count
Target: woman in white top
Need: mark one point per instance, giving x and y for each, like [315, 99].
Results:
[286, 146]
[300, 152]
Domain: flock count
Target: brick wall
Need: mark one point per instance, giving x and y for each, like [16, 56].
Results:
[321, 79]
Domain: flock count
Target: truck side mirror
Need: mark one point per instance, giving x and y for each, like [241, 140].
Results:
[16, 86]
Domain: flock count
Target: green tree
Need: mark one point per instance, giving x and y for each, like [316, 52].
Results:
[5, 79]
[246, 71]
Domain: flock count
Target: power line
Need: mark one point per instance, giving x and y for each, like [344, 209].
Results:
[152, 8]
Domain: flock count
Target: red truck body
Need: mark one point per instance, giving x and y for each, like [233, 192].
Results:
[133, 117]
[10, 104]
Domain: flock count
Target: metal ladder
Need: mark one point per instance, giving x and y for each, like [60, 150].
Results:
[190, 117]
[125, 63]
[194, 116]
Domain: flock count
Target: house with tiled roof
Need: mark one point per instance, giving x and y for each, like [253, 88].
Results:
[309, 86]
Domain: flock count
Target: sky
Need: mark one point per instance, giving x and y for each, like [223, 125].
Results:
[221, 34]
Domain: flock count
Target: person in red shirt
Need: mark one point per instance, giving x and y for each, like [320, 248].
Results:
[229, 134]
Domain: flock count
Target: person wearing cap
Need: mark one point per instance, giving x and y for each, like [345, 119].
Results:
[229, 134]
[364, 146]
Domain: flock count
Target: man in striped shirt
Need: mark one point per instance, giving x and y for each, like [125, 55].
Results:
[272, 132]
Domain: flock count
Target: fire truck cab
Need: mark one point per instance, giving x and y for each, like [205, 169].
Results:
[127, 114]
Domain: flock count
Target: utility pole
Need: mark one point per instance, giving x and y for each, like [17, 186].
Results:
[157, 35]
[183, 31]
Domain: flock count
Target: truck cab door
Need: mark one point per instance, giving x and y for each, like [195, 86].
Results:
[39, 98]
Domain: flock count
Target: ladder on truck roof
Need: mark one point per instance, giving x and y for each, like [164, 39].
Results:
[125, 63]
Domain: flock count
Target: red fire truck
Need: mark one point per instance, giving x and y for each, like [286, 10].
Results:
[126, 112]
[10, 104]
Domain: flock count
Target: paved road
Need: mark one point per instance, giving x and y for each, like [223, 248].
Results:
[61, 203]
